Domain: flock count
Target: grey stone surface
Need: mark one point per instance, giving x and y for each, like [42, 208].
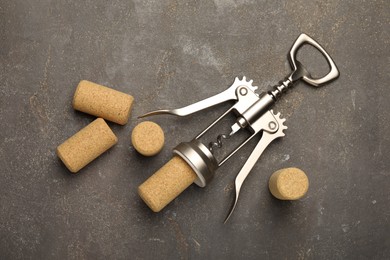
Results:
[169, 54]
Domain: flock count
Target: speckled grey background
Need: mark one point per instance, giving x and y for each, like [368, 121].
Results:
[169, 54]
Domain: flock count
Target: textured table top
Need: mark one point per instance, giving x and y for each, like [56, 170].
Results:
[168, 54]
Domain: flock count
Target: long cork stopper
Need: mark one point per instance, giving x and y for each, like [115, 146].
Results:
[103, 102]
[166, 184]
[86, 145]
[288, 184]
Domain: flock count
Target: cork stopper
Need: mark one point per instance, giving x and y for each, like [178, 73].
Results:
[288, 184]
[86, 145]
[103, 102]
[147, 138]
[166, 184]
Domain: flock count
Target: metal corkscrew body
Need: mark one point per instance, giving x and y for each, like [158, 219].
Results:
[253, 113]
[218, 143]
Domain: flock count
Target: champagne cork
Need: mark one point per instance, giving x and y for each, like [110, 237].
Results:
[166, 184]
[147, 138]
[86, 145]
[103, 102]
[288, 184]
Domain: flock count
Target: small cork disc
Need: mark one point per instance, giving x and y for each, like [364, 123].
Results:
[147, 138]
[288, 184]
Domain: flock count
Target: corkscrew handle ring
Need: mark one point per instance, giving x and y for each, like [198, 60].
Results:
[300, 72]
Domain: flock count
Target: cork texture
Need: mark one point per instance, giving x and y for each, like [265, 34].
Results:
[86, 145]
[103, 102]
[166, 184]
[288, 184]
[147, 138]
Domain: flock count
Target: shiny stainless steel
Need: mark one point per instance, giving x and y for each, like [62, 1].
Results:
[229, 94]
[244, 102]
[297, 66]
[214, 123]
[269, 118]
[236, 150]
[299, 71]
[278, 90]
[218, 143]
[253, 114]
[201, 160]
[263, 123]
[246, 99]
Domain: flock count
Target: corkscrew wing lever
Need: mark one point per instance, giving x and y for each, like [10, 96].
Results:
[272, 129]
[228, 94]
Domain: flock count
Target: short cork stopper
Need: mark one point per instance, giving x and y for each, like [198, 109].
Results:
[147, 138]
[288, 184]
[166, 184]
[86, 145]
[103, 102]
